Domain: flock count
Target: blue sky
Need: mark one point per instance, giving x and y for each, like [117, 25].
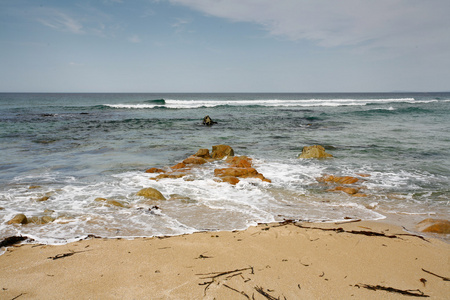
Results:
[224, 46]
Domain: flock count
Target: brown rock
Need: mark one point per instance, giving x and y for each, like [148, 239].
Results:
[230, 179]
[34, 187]
[338, 179]
[178, 166]
[110, 202]
[236, 172]
[151, 193]
[434, 225]
[240, 161]
[239, 172]
[315, 151]
[204, 153]
[221, 151]
[43, 198]
[348, 190]
[47, 219]
[18, 219]
[154, 170]
[168, 175]
[194, 160]
[359, 195]
[115, 203]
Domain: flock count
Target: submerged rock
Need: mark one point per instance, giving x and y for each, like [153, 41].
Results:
[315, 151]
[18, 219]
[338, 179]
[40, 220]
[151, 193]
[110, 202]
[230, 179]
[194, 160]
[434, 225]
[178, 166]
[154, 170]
[174, 175]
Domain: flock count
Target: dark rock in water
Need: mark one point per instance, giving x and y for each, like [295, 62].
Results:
[315, 151]
[208, 121]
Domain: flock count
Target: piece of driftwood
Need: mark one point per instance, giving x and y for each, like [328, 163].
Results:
[18, 296]
[412, 293]
[12, 240]
[62, 255]
[215, 275]
[240, 292]
[265, 294]
[439, 276]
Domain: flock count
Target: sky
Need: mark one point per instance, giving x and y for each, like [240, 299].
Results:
[224, 46]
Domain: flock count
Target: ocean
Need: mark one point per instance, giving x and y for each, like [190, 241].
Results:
[61, 152]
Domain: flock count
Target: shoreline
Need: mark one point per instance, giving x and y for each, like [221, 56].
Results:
[361, 259]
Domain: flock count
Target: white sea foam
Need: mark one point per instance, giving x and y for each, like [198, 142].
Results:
[187, 104]
[205, 205]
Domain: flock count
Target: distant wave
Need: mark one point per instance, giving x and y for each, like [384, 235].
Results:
[156, 101]
[190, 104]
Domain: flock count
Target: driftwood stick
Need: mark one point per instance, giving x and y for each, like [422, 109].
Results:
[62, 255]
[240, 292]
[265, 294]
[218, 274]
[413, 293]
[18, 296]
[442, 277]
[214, 275]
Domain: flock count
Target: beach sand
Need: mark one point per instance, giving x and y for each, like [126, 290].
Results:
[281, 260]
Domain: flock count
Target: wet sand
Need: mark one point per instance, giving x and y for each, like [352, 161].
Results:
[357, 260]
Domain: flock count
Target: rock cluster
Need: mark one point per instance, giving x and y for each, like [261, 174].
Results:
[22, 219]
[238, 166]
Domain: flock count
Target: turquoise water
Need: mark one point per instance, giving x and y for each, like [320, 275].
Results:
[78, 147]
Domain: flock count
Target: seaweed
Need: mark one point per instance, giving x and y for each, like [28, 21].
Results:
[12, 240]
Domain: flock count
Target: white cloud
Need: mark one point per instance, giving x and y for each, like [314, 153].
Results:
[135, 39]
[331, 23]
[181, 24]
[58, 20]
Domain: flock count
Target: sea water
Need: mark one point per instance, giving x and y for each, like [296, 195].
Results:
[75, 148]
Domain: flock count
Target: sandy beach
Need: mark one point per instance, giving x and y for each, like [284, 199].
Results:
[359, 260]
